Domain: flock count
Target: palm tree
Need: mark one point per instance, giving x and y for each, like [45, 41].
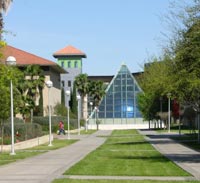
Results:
[4, 5]
[96, 91]
[81, 82]
[30, 88]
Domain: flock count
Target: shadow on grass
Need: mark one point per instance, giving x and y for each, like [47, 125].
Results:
[129, 143]
[154, 158]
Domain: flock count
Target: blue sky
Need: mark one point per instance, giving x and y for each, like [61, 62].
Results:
[110, 32]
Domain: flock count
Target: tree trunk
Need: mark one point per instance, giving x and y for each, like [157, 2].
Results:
[2, 134]
[85, 111]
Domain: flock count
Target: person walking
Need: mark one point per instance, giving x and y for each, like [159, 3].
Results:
[61, 128]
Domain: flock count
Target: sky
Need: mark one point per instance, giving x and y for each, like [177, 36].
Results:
[109, 32]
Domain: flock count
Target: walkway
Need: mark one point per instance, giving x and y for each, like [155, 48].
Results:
[183, 156]
[46, 167]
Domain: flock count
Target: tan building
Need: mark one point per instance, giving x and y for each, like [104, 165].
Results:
[51, 71]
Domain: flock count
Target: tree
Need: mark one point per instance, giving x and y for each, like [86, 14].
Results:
[96, 91]
[186, 65]
[7, 74]
[63, 96]
[4, 5]
[73, 101]
[155, 83]
[81, 82]
[30, 86]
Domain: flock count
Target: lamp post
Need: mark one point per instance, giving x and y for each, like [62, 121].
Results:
[91, 104]
[68, 97]
[78, 97]
[49, 84]
[11, 61]
[168, 96]
[87, 122]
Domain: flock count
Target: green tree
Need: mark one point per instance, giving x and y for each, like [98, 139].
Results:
[73, 101]
[155, 83]
[7, 74]
[96, 91]
[63, 96]
[186, 65]
[30, 86]
[81, 82]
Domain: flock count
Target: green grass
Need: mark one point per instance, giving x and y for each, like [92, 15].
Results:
[83, 132]
[56, 144]
[126, 153]
[175, 129]
[117, 181]
[6, 158]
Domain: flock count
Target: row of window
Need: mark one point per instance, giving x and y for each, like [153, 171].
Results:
[69, 64]
[69, 83]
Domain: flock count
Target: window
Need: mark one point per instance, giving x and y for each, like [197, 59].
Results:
[63, 84]
[62, 64]
[69, 83]
[76, 64]
[69, 64]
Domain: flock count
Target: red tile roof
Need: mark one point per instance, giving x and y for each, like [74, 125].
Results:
[69, 51]
[23, 57]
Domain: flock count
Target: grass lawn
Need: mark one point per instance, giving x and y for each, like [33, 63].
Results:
[6, 158]
[56, 144]
[126, 153]
[83, 132]
[118, 181]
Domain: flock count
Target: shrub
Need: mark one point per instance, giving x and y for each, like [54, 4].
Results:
[44, 122]
[61, 110]
[22, 131]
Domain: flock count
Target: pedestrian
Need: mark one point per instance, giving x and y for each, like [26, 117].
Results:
[61, 128]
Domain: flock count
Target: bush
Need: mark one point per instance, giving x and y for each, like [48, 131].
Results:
[61, 110]
[44, 122]
[22, 131]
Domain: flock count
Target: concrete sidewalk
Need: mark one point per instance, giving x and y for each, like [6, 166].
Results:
[46, 167]
[51, 165]
[183, 156]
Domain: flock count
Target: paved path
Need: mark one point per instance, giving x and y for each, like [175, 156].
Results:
[46, 167]
[183, 156]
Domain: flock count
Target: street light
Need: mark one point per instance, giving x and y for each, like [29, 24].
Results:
[91, 104]
[168, 96]
[11, 61]
[87, 122]
[49, 84]
[68, 97]
[78, 97]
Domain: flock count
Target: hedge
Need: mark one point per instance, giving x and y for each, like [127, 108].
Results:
[44, 122]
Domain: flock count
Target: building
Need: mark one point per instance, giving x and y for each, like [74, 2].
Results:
[70, 59]
[119, 107]
[51, 71]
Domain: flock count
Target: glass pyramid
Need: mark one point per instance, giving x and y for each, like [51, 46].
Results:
[120, 100]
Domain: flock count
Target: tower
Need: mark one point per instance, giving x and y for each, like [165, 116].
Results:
[69, 58]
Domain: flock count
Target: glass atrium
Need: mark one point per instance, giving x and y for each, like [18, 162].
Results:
[119, 105]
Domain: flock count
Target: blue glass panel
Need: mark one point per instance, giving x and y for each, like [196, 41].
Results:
[117, 115]
[121, 97]
[109, 114]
